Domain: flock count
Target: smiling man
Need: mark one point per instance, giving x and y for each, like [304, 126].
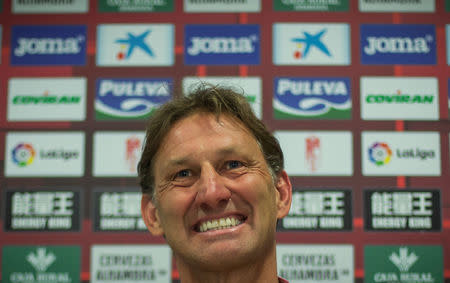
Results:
[214, 186]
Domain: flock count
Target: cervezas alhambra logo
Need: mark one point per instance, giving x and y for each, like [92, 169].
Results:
[41, 260]
[403, 261]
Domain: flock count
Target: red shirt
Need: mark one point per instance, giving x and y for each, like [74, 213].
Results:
[281, 280]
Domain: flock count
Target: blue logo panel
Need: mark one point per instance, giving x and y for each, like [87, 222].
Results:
[48, 45]
[222, 44]
[398, 44]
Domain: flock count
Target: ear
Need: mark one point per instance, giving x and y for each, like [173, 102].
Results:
[284, 194]
[150, 215]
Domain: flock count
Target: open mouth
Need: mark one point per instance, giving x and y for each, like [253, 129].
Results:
[220, 223]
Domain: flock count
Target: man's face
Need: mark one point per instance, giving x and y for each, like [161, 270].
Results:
[215, 199]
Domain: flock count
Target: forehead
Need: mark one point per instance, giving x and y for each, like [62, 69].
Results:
[204, 130]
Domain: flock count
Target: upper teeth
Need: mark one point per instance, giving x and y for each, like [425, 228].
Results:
[219, 224]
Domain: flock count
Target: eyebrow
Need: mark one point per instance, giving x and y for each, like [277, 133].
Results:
[221, 152]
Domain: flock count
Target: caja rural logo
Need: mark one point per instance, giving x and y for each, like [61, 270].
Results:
[23, 154]
[380, 153]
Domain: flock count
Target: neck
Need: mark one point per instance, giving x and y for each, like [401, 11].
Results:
[262, 270]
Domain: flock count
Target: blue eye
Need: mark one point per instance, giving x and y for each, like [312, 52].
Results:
[183, 173]
[233, 164]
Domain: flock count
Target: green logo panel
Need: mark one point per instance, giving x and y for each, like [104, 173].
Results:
[311, 5]
[41, 264]
[403, 264]
[135, 6]
[447, 5]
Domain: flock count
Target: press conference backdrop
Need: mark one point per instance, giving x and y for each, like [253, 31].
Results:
[356, 91]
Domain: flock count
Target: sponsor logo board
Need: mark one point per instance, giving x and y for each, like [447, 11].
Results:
[131, 263]
[399, 98]
[316, 263]
[401, 153]
[43, 45]
[311, 44]
[222, 44]
[318, 153]
[37, 264]
[403, 264]
[405, 210]
[49, 7]
[47, 99]
[44, 154]
[318, 210]
[447, 5]
[136, 6]
[220, 6]
[397, 6]
[123, 98]
[42, 210]
[398, 44]
[311, 5]
[124, 45]
[117, 210]
[312, 98]
[116, 153]
[251, 87]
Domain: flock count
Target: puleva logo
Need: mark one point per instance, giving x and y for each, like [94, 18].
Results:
[380, 153]
[398, 44]
[311, 44]
[48, 45]
[222, 44]
[312, 98]
[135, 45]
[130, 98]
[23, 154]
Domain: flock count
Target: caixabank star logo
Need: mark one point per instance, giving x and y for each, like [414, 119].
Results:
[135, 45]
[311, 44]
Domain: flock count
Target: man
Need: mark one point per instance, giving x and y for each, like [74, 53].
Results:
[214, 186]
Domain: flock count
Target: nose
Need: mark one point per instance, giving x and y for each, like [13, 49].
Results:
[212, 192]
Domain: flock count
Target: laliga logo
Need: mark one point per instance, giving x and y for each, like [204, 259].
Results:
[23, 154]
[380, 153]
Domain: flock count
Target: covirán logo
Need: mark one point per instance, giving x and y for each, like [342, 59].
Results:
[23, 154]
[380, 153]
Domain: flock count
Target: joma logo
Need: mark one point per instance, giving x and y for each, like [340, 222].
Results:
[397, 45]
[46, 46]
[222, 45]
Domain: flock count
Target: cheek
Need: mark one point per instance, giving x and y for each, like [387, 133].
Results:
[173, 206]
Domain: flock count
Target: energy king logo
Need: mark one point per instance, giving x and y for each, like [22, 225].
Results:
[405, 210]
[122, 99]
[380, 153]
[311, 44]
[403, 264]
[318, 210]
[23, 154]
[398, 44]
[135, 45]
[222, 44]
[48, 45]
[312, 98]
[39, 264]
